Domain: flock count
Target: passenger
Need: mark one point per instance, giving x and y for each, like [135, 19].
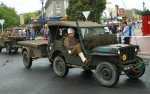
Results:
[9, 33]
[73, 46]
[13, 33]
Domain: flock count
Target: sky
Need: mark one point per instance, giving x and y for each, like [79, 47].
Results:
[129, 4]
[24, 6]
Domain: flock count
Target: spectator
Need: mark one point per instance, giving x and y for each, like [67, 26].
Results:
[127, 33]
[46, 30]
[113, 28]
[27, 33]
[32, 34]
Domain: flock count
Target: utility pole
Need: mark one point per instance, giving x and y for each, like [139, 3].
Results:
[143, 6]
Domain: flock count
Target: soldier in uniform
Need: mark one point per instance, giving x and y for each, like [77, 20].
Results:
[13, 33]
[73, 46]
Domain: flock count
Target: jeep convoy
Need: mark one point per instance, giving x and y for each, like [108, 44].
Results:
[108, 58]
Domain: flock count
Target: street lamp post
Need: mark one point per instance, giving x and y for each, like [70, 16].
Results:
[42, 1]
[143, 5]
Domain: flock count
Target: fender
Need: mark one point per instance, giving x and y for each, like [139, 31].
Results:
[29, 50]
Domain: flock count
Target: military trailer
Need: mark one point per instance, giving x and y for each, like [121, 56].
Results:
[32, 50]
[108, 58]
[10, 43]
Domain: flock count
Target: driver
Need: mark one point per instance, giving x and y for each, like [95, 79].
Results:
[73, 46]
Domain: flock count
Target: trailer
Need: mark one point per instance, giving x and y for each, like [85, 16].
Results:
[32, 50]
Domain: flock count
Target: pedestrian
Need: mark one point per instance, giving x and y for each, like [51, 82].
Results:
[32, 34]
[43, 30]
[113, 28]
[46, 30]
[27, 34]
[127, 33]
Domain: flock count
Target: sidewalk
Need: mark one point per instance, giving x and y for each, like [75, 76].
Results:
[143, 42]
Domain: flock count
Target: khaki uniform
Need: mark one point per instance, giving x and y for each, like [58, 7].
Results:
[13, 33]
[71, 43]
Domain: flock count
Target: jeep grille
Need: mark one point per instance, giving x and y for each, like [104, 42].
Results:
[129, 52]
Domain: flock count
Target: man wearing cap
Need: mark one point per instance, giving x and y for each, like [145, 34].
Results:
[73, 46]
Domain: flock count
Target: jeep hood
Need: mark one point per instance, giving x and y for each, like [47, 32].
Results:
[111, 49]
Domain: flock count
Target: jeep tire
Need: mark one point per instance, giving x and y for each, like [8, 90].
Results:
[27, 61]
[107, 74]
[60, 67]
[138, 72]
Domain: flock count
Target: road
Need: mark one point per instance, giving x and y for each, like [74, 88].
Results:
[40, 79]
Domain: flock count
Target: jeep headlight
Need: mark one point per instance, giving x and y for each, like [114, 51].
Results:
[119, 52]
[50, 48]
[136, 49]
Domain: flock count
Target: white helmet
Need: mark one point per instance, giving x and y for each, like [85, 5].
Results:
[70, 30]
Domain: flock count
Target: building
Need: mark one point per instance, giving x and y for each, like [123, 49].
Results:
[54, 8]
[121, 12]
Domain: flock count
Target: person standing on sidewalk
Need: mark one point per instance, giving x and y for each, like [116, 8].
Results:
[113, 28]
[127, 33]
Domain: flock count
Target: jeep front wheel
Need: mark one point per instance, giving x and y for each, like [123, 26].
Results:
[60, 67]
[27, 61]
[137, 70]
[107, 74]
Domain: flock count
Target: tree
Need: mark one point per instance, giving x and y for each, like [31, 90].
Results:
[76, 7]
[28, 16]
[139, 12]
[10, 16]
[130, 13]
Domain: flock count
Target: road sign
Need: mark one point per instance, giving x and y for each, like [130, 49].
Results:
[86, 14]
[2, 21]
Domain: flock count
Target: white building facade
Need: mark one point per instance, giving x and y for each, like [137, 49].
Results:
[54, 8]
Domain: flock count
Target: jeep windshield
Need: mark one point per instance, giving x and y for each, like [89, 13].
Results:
[91, 31]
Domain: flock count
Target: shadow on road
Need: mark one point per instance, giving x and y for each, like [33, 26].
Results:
[136, 83]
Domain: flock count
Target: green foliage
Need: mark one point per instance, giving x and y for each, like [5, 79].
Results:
[139, 12]
[10, 16]
[147, 12]
[27, 16]
[76, 7]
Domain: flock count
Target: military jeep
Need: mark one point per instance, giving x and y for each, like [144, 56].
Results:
[10, 43]
[108, 58]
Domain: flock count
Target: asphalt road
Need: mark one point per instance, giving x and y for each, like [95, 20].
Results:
[40, 79]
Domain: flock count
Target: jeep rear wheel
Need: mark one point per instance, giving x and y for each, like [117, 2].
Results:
[138, 70]
[60, 67]
[27, 60]
[8, 48]
[107, 74]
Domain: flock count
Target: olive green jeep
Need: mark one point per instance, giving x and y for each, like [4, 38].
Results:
[108, 58]
[10, 43]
